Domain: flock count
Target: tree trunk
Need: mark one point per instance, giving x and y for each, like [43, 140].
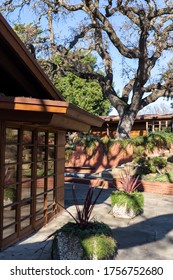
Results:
[125, 125]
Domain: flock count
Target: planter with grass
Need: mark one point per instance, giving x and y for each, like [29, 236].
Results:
[84, 239]
[127, 202]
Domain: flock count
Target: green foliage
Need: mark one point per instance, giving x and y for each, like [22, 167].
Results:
[83, 93]
[28, 33]
[151, 164]
[165, 178]
[89, 142]
[69, 152]
[95, 238]
[107, 144]
[10, 193]
[133, 200]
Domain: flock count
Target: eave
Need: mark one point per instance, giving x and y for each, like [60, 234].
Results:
[47, 113]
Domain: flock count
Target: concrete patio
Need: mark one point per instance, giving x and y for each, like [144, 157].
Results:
[149, 236]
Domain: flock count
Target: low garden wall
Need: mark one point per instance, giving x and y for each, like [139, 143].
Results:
[150, 186]
[99, 159]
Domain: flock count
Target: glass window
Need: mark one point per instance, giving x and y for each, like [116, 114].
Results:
[10, 174]
[39, 207]
[12, 135]
[26, 171]
[10, 194]
[51, 153]
[51, 167]
[41, 153]
[41, 138]
[26, 190]
[27, 137]
[9, 215]
[40, 185]
[25, 223]
[51, 138]
[50, 199]
[25, 210]
[9, 231]
[50, 183]
[11, 153]
[27, 154]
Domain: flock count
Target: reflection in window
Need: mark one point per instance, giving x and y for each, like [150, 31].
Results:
[12, 135]
[10, 194]
[41, 154]
[50, 199]
[51, 153]
[9, 231]
[11, 153]
[51, 137]
[26, 190]
[9, 215]
[26, 171]
[10, 174]
[29, 181]
[50, 182]
[41, 138]
[27, 154]
[25, 210]
[40, 185]
[25, 223]
[40, 169]
[39, 207]
[27, 137]
[51, 167]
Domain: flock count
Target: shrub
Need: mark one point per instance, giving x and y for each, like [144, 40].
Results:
[151, 165]
[96, 239]
[167, 177]
[134, 200]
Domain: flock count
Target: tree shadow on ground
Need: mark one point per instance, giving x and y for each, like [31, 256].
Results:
[144, 232]
[81, 191]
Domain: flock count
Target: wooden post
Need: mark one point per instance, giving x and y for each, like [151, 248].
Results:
[2, 174]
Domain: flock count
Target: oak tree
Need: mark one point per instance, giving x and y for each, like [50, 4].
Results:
[140, 32]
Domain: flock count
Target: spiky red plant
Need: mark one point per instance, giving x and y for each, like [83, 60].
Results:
[84, 212]
[129, 183]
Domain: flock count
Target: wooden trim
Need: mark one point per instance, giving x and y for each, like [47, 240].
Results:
[19, 180]
[2, 135]
[62, 115]
[34, 177]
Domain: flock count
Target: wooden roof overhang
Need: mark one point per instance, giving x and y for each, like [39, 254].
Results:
[139, 118]
[18, 66]
[46, 114]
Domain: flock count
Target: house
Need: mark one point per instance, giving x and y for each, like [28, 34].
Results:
[142, 125]
[34, 119]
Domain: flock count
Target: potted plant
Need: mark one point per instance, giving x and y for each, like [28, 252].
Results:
[127, 202]
[84, 238]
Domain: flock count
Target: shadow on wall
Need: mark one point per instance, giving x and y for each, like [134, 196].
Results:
[101, 159]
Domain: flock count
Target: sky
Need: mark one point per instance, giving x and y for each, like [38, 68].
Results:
[117, 66]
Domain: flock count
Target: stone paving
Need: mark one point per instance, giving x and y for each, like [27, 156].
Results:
[145, 237]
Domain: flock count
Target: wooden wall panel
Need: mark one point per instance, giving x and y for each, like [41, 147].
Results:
[60, 167]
